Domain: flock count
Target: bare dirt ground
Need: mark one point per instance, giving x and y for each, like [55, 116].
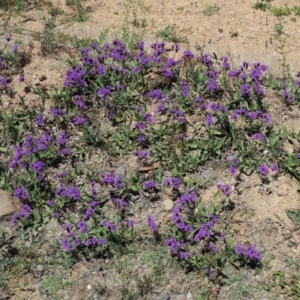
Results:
[260, 217]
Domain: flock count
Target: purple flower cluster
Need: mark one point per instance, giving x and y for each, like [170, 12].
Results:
[71, 192]
[95, 241]
[177, 248]
[263, 169]
[40, 119]
[185, 89]
[249, 115]
[78, 120]
[141, 154]
[225, 63]
[111, 179]
[175, 181]
[212, 81]
[184, 199]
[57, 112]
[226, 189]
[83, 227]
[179, 115]
[150, 184]
[26, 210]
[258, 136]
[75, 76]
[287, 95]
[37, 168]
[250, 252]
[70, 242]
[204, 231]
[91, 209]
[119, 202]
[21, 193]
[151, 223]
[233, 166]
[110, 226]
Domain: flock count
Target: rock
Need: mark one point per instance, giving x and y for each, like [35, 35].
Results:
[168, 204]
[8, 204]
[40, 268]
[165, 297]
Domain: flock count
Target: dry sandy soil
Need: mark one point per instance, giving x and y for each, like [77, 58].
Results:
[236, 30]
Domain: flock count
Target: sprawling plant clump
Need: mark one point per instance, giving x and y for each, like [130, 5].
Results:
[174, 117]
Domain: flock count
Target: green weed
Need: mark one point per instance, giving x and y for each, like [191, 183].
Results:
[211, 10]
[170, 34]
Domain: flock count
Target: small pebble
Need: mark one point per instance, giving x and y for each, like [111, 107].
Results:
[40, 268]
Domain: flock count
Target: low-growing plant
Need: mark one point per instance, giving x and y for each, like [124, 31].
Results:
[211, 10]
[169, 34]
[169, 119]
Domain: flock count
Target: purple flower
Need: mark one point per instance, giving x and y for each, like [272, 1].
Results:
[223, 236]
[67, 227]
[239, 249]
[22, 193]
[188, 228]
[213, 248]
[15, 48]
[258, 136]
[245, 90]
[141, 154]
[8, 38]
[37, 166]
[234, 73]
[101, 242]
[66, 244]
[57, 112]
[188, 54]
[202, 233]
[74, 193]
[113, 227]
[206, 60]
[136, 70]
[51, 202]
[80, 104]
[266, 118]
[149, 184]
[65, 151]
[151, 223]
[130, 223]
[184, 255]
[226, 64]
[141, 139]
[61, 139]
[226, 189]
[3, 82]
[82, 225]
[103, 93]
[21, 78]
[139, 125]
[148, 118]
[209, 120]
[77, 120]
[213, 218]
[213, 106]
[263, 169]
[184, 89]
[40, 119]
[88, 213]
[252, 253]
